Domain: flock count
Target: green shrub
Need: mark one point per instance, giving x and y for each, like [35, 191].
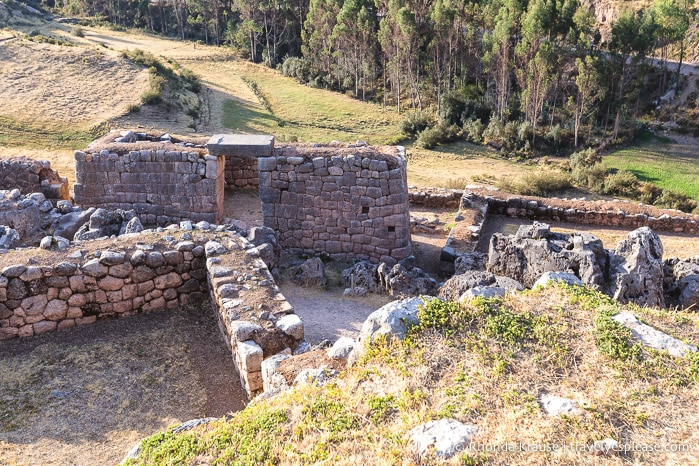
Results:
[493, 133]
[672, 200]
[414, 123]
[297, 68]
[78, 31]
[648, 193]
[621, 183]
[191, 79]
[473, 130]
[544, 183]
[440, 133]
[590, 177]
[133, 108]
[585, 158]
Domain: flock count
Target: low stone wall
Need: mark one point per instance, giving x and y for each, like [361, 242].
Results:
[41, 298]
[255, 317]
[539, 210]
[349, 202]
[435, 197]
[241, 152]
[163, 187]
[33, 176]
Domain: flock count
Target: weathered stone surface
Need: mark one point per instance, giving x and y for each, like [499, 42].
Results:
[555, 405]
[535, 250]
[652, 337]
[682, 282]
[483, 292]
[310, 274]
[470, 261]
[636, 269]
[111, 258]
[342, 348]
[93, 268]
[271, 379]
[242, 330]
[249, 354]
[44, 326]
[457, 285]
[317, 377]
[564, 277]
[292, 325]
[399, 281]
[443, 438]
[391, 321]
[56, 310]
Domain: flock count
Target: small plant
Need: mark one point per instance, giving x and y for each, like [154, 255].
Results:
[586, 158]
[77, 31]
[621, 183]
[133, 108]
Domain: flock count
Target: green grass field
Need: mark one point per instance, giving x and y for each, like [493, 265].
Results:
[662, 162]
[292, 111]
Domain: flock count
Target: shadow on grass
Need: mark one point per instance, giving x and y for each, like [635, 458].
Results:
[244, 117]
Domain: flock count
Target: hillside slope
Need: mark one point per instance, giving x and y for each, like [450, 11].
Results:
[487, 364]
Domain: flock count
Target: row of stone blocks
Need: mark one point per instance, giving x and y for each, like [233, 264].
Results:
[526, 208]
[353, 205]
[38, 299]
[163, 187]
[256, 318]
[33, 176]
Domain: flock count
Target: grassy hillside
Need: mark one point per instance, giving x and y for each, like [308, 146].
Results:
[662, 161]
[485, 364]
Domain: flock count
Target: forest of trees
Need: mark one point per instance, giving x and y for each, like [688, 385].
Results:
[535, 65]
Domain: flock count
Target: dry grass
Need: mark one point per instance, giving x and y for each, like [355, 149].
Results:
[86, 395]
[485, 364]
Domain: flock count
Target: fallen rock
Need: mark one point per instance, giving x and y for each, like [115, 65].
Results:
[636, 269]
[391, 321]
[654, 338]
[70, 223]
[443, 438]
[104, 223]
[401, 282]
[318, 377]
[470, 261]
[9, 238]
[310, 274]
[342, 348]
[555, 405]
[54, 243]
[682, 282]
[362, 274]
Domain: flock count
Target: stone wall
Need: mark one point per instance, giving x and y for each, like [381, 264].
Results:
[241, 152]
[435, 197]
[40, 298]
[33, 176]
[163, 187]
[255, 317]
[349, 202]
[539, 210]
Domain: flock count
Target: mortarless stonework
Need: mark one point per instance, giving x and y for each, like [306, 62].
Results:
[241, 152]
[33, 176]
[347, 201]
[163, 187]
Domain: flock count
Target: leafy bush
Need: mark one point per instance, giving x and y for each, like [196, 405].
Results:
[441, 132]
[585, 158]
[621, 183]
[154, 94]
[672, 200]
[493, 133]
[473, 130]
[590, 177]
[298, 68]
[648, 193]
[414, 123]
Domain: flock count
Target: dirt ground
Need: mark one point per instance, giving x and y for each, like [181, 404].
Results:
[85, 396]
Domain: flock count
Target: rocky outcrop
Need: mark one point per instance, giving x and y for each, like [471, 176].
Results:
[443, 438]
[457, 285]
[9, 238]
[390, 321]
[401, 280]
[470, 261]
[682, 282]
[310, 274]
[107, 223]
[534, 250]
[636, 269]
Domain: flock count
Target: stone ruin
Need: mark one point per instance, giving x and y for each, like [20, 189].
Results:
[344, 201]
